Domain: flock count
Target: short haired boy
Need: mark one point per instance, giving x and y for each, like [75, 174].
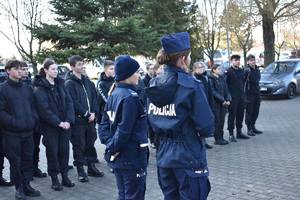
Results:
[18, 120]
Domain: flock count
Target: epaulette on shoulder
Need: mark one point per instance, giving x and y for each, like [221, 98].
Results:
[133, 93]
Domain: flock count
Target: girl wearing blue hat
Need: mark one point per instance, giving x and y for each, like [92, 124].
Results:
[123, 130]
[179, 114]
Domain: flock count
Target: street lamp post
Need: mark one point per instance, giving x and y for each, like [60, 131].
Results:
[227, 32]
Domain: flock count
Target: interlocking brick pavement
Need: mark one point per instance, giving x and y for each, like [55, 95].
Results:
[265, 167]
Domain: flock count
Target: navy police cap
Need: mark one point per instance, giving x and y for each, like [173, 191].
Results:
[176, 42]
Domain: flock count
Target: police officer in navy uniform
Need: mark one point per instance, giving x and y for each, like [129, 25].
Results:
[180, 115]
[252, 95]
[235, 83]
[124, 131]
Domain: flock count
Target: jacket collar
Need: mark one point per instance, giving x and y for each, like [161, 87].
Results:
[14, 83]
[125, 85]
[172, 68]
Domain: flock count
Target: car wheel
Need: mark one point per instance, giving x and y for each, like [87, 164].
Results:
[291, 91]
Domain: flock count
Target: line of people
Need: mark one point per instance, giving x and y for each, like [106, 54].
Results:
[235, 91]
[169, 106]
[62, 111]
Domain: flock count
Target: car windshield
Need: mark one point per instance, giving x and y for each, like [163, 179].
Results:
[280, 67]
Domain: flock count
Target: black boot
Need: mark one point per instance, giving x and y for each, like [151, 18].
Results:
[93, 171]
[29, 191]
[4, 182]
[241, 135]
[56, 184]
[221, 142]
[82, 177]
[66, 181]
[19, 195]
[207, 146]
[70, 167]
[256, 131]
[38, 173]
[232, 138]
[250, 132]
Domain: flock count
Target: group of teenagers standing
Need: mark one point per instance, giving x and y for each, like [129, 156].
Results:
[59, 110]
[173, 107]
[235, 91]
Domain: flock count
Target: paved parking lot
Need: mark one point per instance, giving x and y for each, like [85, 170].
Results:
[265, 167]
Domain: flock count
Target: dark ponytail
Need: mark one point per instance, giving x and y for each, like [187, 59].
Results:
[164, 58]
[42, 72]
[47, 63]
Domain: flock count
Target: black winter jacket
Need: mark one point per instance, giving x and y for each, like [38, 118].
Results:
[103, 86]
[207, 87]
[17, 112]
[252, 78]
[219, 89]
[235, 82]
[83, 96]
[53, 102]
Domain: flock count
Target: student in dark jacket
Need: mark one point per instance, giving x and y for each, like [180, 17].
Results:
[146, 82]
[18, 120]
[199, 71]
[83, 132]
[26, 78]
[91, 153]
[104, 84]
[3, 181]
[56, 112]
[123, 131]
[252, 93]
[235, 83]
[221, 101]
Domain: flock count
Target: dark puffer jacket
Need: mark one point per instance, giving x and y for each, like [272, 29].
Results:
[17, 112]
[53, 102]
[83, 96]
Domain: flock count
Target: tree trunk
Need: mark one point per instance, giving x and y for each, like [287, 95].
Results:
[245, 56]
[269, 39]
[34, 67]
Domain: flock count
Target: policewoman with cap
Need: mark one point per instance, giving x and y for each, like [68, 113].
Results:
[180, 115]
[123, 130]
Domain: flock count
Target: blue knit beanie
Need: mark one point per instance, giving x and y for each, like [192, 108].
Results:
[125, 66]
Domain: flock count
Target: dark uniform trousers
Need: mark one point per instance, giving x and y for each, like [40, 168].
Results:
[219, 112]
[131, 184]
[36, 151]
[236, 113]
[83, 140]
[1, 154]
[177, 184]
[57, 145]
[252, 110]
[19, 152]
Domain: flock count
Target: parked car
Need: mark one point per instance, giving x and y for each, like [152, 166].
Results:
[3, 74]
[281, 78]
[62, 71]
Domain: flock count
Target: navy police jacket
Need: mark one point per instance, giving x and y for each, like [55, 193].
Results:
[123, 129]
[180, 115]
